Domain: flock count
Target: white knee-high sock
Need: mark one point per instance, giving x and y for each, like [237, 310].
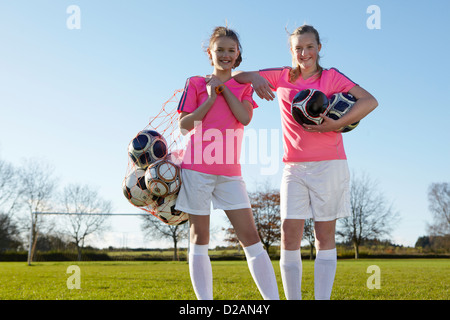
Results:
[262, 271]
[201, 271]
[291, 273]
[324, 272]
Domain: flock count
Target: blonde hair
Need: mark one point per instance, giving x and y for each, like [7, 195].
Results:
[219, 32]
[295, 71]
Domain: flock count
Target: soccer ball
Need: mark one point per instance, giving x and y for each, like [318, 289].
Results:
[167, 213]
[135, 190]
[340, 104]
[307, 106]
[147, 147]
[163, 178]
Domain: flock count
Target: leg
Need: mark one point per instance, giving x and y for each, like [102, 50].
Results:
[294, 209]
[290, 257]
[199, 229]
[326, 260]
[330, 200]
[244, 225]
[199, 263]
[257, 258]
[324, 232]
[292, 233]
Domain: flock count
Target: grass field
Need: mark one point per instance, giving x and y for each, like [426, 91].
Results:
[402, 279]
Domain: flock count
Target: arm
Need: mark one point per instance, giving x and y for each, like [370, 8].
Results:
[365, 104]
[243, 111]
[187, 121]
[261, 86]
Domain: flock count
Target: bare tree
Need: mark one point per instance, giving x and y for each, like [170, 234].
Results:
[85, 207]
[9, 188]
[439, 205]
[9, 195]
[266, 211]
[37, 186]
[155, 228]
[371, 215]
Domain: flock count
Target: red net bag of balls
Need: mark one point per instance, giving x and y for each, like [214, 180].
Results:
[153, 176]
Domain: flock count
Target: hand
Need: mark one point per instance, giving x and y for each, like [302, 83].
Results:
[327, 125]
[212, 82]
[262, 88]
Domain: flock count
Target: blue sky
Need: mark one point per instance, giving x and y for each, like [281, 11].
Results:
[75, 97]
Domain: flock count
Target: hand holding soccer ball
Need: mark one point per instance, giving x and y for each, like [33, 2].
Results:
[315, 113]
[341, 103]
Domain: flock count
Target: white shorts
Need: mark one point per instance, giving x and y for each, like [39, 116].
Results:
[318, 190]
[199, 189]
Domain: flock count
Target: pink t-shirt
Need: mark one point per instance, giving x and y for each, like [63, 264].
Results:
[215, 143]
[300, 145]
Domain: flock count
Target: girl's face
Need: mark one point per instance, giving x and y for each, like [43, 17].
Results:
[305, 50]
[223, 53]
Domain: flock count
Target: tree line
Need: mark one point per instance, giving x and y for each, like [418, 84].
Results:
[32, 188]
[372, 218]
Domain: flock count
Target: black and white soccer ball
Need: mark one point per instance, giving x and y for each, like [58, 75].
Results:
[135, 190]
[147, 147]
[163, 178]
[307, 106]
[340, 104]
[167, 213]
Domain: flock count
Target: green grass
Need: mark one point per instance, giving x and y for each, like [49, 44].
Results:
[402, 279]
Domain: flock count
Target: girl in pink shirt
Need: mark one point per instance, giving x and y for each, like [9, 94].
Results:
[214, 110]
[315, 181]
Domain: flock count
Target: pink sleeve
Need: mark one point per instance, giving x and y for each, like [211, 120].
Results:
[272, 75]
[188, 100]
[248, 95]
[341, 82]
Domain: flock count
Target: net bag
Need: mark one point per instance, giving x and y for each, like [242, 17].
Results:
[153, 175]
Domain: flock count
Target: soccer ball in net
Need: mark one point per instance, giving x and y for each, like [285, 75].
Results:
[167, 213]
[147, 147]
[340, 104]
[307, 106]
[163, 178]
[135, 190]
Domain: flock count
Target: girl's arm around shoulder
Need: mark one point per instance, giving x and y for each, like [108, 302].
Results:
[262, 86]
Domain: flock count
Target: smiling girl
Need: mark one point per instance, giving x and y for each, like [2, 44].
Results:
[215, 109]
[315, 182]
